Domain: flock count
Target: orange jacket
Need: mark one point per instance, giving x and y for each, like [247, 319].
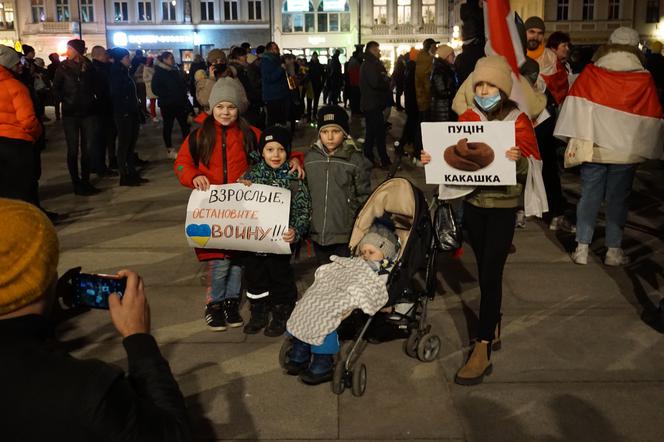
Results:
[17, 114]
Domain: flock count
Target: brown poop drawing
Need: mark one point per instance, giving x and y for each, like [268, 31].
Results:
[469, 156]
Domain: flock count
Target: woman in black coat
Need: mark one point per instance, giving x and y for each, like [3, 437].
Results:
[443, 85]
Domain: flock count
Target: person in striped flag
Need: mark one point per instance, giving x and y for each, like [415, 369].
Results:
[609, 134]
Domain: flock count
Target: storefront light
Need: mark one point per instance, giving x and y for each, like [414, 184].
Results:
[120, 39]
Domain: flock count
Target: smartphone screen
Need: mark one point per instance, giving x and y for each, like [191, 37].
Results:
[94, 290]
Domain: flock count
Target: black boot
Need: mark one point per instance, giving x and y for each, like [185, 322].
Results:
[232, 312]
[280, 315]
[320, 370]
[258, 320]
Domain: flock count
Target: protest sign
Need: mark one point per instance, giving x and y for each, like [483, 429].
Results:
[238, 217]
[469, 153]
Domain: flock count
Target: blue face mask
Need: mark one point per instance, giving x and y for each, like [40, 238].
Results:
[488, 103]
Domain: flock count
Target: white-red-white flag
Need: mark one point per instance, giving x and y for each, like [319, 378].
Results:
[501, 31]
[615, 110]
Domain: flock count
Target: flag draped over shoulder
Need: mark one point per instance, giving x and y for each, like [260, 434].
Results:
[557, 82]
[614, 110]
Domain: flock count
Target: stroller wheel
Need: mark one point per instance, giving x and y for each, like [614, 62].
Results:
[339, 377]
[283, 353]
[359, 380]
[428, 347]
[410, 346]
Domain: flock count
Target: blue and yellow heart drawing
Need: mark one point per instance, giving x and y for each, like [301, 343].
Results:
[199, 233]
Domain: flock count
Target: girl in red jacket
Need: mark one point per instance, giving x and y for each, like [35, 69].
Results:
[219, 153]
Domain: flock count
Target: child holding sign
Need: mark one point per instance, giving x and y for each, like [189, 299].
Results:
[219, 153]
[489, 212]
[339, 177]
[270, 278]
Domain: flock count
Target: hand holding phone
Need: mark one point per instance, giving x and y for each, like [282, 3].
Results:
[130, 313]
[93, 290]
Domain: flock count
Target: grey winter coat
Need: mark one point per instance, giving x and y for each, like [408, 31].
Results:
[339, 184]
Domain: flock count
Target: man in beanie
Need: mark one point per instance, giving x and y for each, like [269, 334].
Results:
[75, 400]
[612, 121]
[19, 130]
[376, 94]
[338, 175]
[270, 280]
[75, 85]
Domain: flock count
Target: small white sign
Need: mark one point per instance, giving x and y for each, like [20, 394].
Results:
[238, 217]
[469, 153]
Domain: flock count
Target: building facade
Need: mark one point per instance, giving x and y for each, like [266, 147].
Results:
[186, 27]
[8, 34]
[47, 25]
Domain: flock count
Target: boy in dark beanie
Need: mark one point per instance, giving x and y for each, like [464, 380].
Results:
[338, 175]
[269, 277]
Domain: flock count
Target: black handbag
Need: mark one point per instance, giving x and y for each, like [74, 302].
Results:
[447, 231]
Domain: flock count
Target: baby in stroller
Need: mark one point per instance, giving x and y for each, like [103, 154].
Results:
[339, 288]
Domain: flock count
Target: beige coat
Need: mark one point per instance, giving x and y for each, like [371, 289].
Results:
[148, 73]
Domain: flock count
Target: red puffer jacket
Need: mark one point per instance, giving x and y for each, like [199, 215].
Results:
[17, 115]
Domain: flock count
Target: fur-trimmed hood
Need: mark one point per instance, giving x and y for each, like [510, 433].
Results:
[620, 56]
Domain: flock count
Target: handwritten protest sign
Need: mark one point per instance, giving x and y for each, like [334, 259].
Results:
[469, 153]
[237, 217]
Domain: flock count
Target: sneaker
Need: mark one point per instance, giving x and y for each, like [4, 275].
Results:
[580, 255]
[171, 153]
[561, 223]
[232, 313]
[214, 317]
[615, 257]
[520, 219]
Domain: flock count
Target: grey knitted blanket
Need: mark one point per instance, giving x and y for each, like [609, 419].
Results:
[339, 288]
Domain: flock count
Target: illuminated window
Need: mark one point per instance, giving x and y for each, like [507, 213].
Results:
[121, 11]
[144, 11]
[614, 9]
[6, 15]
[62, 10]
[403, 11]
[38, 11]
[87, 11]
[429, 11]
[380, 12]
[652, 11]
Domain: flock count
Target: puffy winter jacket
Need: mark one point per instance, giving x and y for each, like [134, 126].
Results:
[17, 114]
[169, 85]
[443, 89]
[339, 184]
[75, 84]
[273, 78]
[124, 96]
[423, 66]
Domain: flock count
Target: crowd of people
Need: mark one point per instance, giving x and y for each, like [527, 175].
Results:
[238, 113]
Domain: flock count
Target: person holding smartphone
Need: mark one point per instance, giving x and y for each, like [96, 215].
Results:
[46, 393]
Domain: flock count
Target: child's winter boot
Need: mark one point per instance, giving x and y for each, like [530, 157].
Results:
[298, 358]
[280, 315]
[320, 370]
[259, 317]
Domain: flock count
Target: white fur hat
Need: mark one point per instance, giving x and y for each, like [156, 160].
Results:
[624, 36]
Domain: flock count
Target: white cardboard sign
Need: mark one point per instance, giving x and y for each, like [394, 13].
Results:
[238, 217]
[481, 163]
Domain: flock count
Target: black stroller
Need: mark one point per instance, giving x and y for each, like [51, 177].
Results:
[406, 205]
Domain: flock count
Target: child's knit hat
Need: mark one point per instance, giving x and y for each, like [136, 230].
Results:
[333, 115]
[230, 90]
[383, 239]
[276, 133]
[28, 254]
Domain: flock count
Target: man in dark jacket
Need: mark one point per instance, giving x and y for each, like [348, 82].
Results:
[49, 395]
[334, 78]
[276, 94]
[316, 76]
[106, 132]
[472, 34]
[443, 85]
[168, 84]
[126, 108]
[237, 63]
[375, 86]
[74, 85]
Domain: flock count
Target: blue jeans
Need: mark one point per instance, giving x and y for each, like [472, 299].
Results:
[604, 182]
[224, 280]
